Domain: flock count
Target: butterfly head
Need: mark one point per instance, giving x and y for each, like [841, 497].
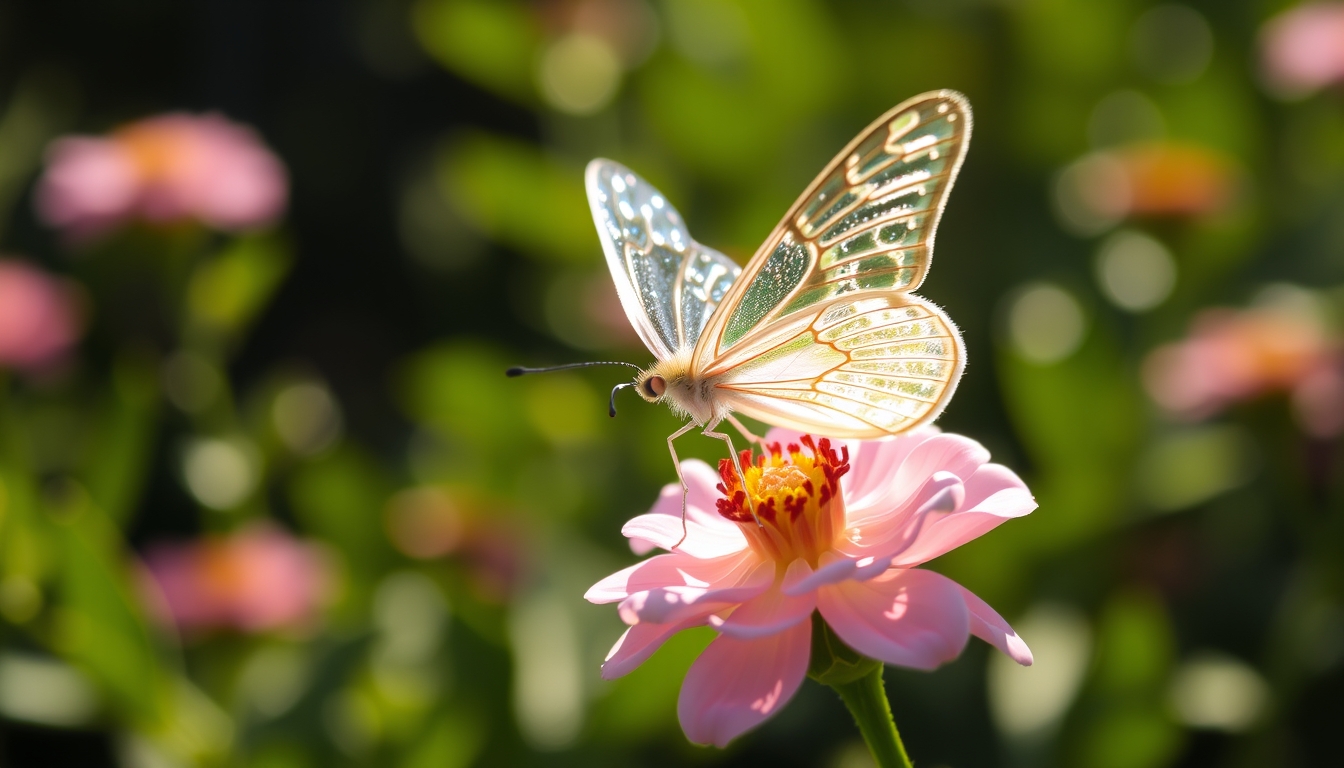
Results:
[651, 385]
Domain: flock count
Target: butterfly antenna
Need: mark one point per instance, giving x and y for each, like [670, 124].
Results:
[611, 406]
[519, 370]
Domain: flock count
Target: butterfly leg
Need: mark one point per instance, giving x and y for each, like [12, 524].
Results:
[685, 489]
[740, 427]
[737, 464]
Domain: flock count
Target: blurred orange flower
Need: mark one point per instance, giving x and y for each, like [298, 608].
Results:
[39, 318]
[256, 580]
[1236, 355]
[1152, 179]
[1170, 179]
[162, 169]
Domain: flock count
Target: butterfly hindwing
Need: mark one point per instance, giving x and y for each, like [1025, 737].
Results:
[669, 285]
[874, 366]
[864, 226]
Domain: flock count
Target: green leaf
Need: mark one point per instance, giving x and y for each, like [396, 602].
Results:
[228, 290]
[520, 196]
[492, 43]
[100, 627]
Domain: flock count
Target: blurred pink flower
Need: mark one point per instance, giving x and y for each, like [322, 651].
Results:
[1236, 355]
[258, 579]
[39, 318]
[842, 533]
[162, 169]
[1302, 49]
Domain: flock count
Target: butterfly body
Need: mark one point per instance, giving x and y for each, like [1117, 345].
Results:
[821, 332]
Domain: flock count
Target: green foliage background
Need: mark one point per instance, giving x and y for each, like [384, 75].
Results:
[438, 234]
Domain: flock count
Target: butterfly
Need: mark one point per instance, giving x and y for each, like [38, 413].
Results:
[821, 331]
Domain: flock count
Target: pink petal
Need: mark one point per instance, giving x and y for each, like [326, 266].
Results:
[702, 484]
[890, 535]
[700, 540]
[989, 480]
[958, 455]
[873, 463]
[1011, 499]
[911, 618]
[736, 684]
[834, 568]
[637, 645]
[675, 603]
[989, 626]
[772, 611]
[669, 570]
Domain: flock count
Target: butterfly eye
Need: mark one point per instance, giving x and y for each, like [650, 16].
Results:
[655, 386]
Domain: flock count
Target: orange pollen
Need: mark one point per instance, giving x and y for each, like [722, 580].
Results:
[157, 151]
[796, 495]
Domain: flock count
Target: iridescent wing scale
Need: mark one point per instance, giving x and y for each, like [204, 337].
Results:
[669, 285]
[823, 334]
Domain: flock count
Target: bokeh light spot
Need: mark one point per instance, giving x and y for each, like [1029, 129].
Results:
[1172, 43]
[1028, 701]
[307, 418]
[45, 691]
[579, 74]
[1124, 116]
[1216, 691]
[191, 382]
[1135, 271]
[548, 682]
[1045, 323]
[1092, 194]
[219, 474]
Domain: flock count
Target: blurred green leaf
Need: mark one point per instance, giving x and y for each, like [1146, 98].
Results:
[520, 196]
[644, 702]
[452, 740]
[492, 43]
[100, 627]
[1081, 420]
[339, 497]
[459, 389]
[41, 105]
[729, 109]
[228, 290]
[1129, 726]
[120, 450]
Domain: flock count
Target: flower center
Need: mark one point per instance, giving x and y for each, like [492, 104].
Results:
[796, 497]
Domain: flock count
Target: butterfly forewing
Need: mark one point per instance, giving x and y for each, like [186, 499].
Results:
[669, 284]
[864, 226]
[874, 366]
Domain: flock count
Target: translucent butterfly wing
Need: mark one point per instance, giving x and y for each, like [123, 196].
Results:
[865, 225]
[669, 285]
[867, 368]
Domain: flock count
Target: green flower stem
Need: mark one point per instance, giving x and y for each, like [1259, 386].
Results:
[858, 680]
[867, 701]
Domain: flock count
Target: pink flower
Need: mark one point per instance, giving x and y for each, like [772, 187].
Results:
[160, 170]
[841, 533]
[39, 320]
[258, 579]
[1236, 355]
[1302, 49]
